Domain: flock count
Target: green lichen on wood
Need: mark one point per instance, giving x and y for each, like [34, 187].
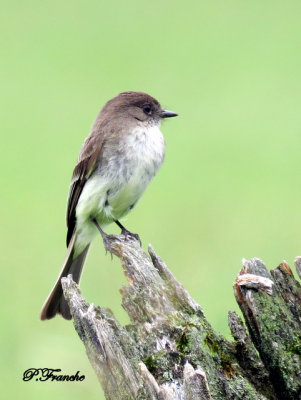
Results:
[296, 346]
[165, 366]
[214, 354]
[273, 328]
[170, 351]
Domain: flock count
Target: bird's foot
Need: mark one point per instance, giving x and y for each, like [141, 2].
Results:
[107, 239]
[129, 235]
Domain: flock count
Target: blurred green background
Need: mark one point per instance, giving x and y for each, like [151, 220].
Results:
[229, 187]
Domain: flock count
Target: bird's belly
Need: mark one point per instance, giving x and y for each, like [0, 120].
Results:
[127, 195]
[108, 198]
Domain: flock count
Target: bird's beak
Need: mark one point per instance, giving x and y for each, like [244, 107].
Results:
[167, 114]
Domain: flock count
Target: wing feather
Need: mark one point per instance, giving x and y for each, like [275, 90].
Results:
[84, 167]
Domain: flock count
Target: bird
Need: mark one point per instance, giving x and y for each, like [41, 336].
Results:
[119, 158]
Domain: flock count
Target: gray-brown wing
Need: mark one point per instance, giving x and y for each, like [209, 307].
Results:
[83, 169]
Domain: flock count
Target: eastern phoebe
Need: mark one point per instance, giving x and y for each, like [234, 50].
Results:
[118, 160]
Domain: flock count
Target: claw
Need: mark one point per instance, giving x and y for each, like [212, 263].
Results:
[107, 239]
[129, 235]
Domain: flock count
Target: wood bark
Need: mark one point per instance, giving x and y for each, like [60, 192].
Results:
[171, 352]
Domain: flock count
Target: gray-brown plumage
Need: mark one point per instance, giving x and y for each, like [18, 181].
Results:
[116, 163]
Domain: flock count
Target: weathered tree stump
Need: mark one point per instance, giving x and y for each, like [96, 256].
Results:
[170, 351]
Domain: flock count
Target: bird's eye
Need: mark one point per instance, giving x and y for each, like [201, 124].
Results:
[147, 109]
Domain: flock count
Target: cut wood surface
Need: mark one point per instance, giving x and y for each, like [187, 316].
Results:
[170, 351]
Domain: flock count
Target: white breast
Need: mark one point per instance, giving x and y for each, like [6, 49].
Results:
[145, 149]
[148, 148]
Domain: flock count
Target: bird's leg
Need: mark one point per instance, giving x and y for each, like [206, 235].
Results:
[105, 237]
[127, 234]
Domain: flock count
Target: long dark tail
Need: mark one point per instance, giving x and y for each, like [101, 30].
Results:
[55, 302]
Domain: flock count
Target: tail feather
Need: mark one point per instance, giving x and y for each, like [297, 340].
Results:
[56, 303]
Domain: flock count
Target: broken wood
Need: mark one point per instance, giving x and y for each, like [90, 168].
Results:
[170, 351]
